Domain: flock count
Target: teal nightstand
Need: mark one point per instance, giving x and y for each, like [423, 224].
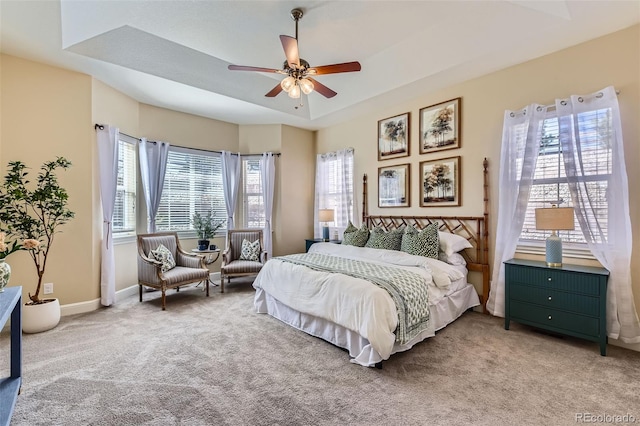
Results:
[309, 243]
[569, 300]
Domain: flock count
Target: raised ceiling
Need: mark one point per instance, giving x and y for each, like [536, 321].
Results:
[174, 54]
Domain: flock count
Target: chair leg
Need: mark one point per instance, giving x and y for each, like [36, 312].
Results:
[206, 282]
[164, 299]
[140, 291]
[221, 282]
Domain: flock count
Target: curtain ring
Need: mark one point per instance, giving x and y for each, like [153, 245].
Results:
[539, 108]
[563, 102]
[512, 114]
[599, 95]
[580, 99]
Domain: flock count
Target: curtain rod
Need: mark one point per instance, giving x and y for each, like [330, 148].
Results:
[101, 127]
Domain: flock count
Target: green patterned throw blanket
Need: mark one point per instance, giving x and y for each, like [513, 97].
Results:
[407, 289]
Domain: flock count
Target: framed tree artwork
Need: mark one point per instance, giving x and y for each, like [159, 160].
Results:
[393, 186]
[440, 126]
[393, 137]
[440, 182]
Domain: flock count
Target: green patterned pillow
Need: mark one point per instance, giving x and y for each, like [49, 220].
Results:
[250, 251]
[380, 239]
[355, 237]
[162, 254]
[421, 243]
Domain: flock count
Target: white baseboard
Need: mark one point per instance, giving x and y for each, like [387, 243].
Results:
[94, 305]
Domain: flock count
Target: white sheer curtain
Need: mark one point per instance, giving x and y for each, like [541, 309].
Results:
[107, 140]
[521, 135]
[268, 177]
[231, 165]
[153, 165]
[613, 247]
[335, 190]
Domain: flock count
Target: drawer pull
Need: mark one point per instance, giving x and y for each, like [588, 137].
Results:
[549, 297]
[549, 279]
[549, 316]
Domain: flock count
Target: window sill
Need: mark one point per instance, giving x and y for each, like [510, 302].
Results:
[570, 251]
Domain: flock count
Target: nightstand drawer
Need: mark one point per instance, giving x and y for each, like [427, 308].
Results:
[574, 282]
[546, 298]
[554, 319]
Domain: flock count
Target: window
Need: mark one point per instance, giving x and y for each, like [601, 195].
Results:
[253, 201]
[550, 182]
[192, 183]
[334, 186]
[124, 211]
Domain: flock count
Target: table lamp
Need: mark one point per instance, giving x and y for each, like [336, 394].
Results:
[325, 215]
[554, 219]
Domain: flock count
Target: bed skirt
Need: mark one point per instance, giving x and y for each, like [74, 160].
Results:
[442, 313]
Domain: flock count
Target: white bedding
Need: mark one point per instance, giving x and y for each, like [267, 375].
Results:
[307, 298]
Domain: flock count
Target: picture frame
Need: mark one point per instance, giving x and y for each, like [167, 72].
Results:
[440, 126]
[393, 137]
[394, 186]
[440, 182]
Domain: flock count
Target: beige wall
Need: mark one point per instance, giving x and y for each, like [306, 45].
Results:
[610, 60]
[46, 112]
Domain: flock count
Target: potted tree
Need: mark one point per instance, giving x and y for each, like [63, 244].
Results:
[34, 214]
[206, 227]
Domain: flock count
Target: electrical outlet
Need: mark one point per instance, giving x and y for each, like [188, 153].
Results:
[48, 288]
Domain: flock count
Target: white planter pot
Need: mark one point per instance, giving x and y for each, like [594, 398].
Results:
[41, 317]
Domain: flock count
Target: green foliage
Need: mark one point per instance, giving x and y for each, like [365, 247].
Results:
[206, 226]
[35, 212]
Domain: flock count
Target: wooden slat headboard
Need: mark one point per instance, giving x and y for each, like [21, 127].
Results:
[474, 228]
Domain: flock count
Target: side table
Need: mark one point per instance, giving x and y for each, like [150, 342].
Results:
[309, 243]
[209, 258]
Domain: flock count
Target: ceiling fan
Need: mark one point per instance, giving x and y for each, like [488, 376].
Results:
[298, 71]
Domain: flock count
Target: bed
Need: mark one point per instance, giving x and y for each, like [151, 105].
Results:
[374, 302]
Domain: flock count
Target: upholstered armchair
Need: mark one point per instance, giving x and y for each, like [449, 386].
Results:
[188, 268]
[234, 264]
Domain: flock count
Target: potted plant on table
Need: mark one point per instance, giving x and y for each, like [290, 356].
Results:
[206, 227]
[34, 213]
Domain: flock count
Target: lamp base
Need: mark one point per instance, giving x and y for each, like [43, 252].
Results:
[554, 251]
[325, 233]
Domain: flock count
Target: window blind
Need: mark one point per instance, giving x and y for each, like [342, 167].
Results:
[550, 180]
[124, 211]
[193, 183]
[253, 201]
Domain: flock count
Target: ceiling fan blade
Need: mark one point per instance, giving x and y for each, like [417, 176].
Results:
[247, 68]
[322, 89]
[335, 68]
[290, 46]
[274, 92]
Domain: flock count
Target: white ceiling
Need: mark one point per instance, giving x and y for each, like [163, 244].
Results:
[174, 54]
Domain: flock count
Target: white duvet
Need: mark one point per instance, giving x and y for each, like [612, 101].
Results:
[353, 303]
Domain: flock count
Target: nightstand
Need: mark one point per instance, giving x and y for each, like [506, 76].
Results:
[309, 243]
[570, 300]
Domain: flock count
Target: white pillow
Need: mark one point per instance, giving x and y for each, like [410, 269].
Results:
[455, 259]
[452, 243]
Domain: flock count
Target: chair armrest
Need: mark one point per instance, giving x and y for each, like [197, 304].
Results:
[149, 270]
[226, 256]
[190, 260]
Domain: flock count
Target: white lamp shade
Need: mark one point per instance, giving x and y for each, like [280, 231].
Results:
[325, 215]
[555, 218]
[287, 84]
[294, 92]
[306, 85]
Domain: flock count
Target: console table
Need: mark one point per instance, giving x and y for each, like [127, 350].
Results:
[11, 307]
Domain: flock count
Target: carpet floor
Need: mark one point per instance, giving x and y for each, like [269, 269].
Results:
[214, 361]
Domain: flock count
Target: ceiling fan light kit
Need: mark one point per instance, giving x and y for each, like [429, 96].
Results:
[298, 71]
